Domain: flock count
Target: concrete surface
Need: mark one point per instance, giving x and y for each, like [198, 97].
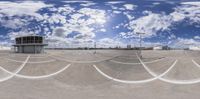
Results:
[108, 74]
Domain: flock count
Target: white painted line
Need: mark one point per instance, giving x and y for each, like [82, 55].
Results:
[123, 62]
[11, 55]
[35, 77]
[154, 61]
[136, 81]
[17, 71]
[195, 63]
[83, 62]
[172, 81]
[39, 56]
[123, 57]
[48, 61]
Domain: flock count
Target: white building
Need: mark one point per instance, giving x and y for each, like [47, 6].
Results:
[157, 48]
[194, 48]
[29, 44]
[4, 48]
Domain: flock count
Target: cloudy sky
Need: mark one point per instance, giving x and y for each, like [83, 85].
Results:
[67, 23]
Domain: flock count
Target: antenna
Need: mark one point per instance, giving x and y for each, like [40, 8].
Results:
[95, 46]
[140, 36]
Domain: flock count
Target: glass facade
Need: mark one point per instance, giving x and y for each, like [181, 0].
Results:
[29, 40]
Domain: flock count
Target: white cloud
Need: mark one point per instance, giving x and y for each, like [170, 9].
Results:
[77, 1]
[103, 30]
[156, 3]
[13, 35]
[150, 24]
[188, 10]
[197, 37]
[56, 18]
[13, 23]
[108, 42]
[185, 42]
[14, 11]
[99, 16]
[115, 2]
[88, 4]
[116, 12]
[130, 6]
[129, 16]
[191, 3]
[82, 24]
[22, 8]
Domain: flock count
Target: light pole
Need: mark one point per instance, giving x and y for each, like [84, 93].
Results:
[95, 46]
[188, 45]
[140, 36]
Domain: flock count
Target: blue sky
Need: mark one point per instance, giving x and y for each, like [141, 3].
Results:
[73, 23]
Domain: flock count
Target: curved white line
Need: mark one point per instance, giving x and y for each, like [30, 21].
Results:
[123, 62]
[157, 60]
[138, 81]
[84, 62]
[193, 81]
[35, 77]
[39, 56]
[123, 57]
[48, 61]
[17, 56]
[17, 71]
[195, 63]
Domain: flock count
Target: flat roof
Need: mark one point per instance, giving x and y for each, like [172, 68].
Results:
[30, 44]
[28, 36]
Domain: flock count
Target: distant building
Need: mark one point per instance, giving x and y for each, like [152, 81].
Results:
[5, 48]
[157, 48]
[128, 47]
[29, 44]
[161, 48]
[194, 48]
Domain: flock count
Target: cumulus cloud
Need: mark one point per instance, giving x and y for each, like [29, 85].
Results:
[68, 24]
[108, 42]
[197, 37]
[129, 16]
[59, 32]
[115, 2]
[13, 23]
[185, 42]
[13, 35]
[77, 1]
[150, 24]
[22, 8]
[130, 6]
[99, 16]
[56, 18]
[80, 27]
[88, 4]
[188, 10]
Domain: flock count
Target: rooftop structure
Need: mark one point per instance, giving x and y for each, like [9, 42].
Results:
[29, 44]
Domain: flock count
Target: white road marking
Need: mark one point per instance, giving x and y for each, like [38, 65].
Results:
[35, 77]
[39, 56]
[136, 81]
[48, 61]
[172, 81]
[83, 62]
[17, 71]
[157, 60]
[195, 63]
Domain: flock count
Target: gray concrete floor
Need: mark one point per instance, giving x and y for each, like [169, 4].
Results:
[70, 74]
